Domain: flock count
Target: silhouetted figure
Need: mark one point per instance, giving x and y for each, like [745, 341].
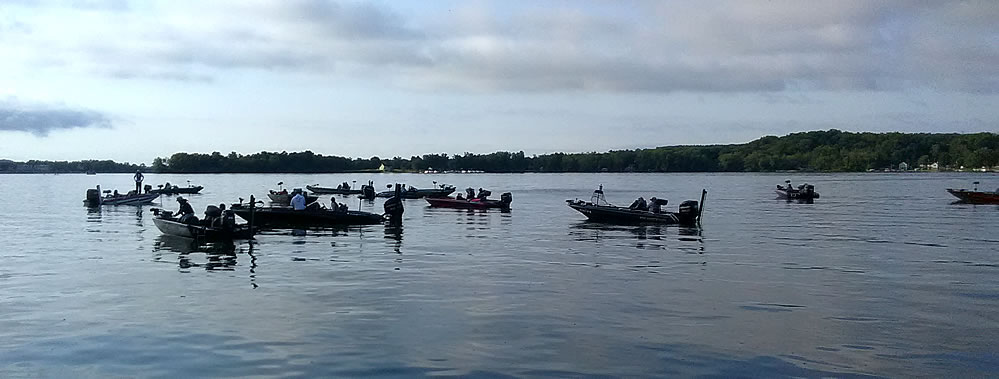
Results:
[138, 177]
[639, 204]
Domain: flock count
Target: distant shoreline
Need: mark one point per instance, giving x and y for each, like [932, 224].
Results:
[817, 152]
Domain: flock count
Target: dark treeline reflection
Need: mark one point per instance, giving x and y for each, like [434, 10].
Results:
[831, 150]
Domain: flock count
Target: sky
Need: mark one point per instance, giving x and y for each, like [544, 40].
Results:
[134, 80]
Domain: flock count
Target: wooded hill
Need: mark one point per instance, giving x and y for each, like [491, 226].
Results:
[832, 151]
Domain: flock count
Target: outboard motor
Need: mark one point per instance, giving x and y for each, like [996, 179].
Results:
[94, 196]
[213, 214]
[229, 219]
[368, 192]
[213, 211]
[506, 198]
[393, 206]
[688, 211]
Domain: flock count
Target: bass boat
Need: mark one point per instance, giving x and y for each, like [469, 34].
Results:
[598, 209]
[803, 192]
[95, 199]
[414, 193]
[217, 224]
[450, 202]
[170, 189]
[316, 189]
[975, 196]
[283, 197]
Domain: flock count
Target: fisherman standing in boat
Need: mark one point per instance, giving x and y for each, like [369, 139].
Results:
[298, 201]
[138, 181]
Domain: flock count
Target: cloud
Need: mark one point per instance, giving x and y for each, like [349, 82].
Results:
[42, 119]
[636, 46]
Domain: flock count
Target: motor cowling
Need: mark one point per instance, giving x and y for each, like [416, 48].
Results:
[688, 208]
[506, 198]
[213, 211]
[93, 196]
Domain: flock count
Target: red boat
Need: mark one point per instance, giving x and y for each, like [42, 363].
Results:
[975, 197]
[450, 202]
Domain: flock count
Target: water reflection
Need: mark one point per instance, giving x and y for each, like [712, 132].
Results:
[655, 237]
[797, 201]
[332, 230]
[394, 233]
[212, 256]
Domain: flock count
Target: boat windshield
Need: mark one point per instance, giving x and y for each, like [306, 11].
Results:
[598, 197]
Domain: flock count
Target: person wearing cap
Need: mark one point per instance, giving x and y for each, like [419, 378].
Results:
[138, 181]
[185, 207]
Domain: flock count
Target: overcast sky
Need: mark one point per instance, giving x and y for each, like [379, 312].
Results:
[132, 80]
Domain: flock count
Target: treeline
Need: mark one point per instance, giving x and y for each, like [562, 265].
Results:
[831, 150]
[35, 166]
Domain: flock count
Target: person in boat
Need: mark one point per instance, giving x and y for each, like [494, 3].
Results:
[470, 193]
[186, 213]
[138, 177]
[639, 205]
[333, 204]
[298, 201]
[115, 193]
[656, 205]
[484, 194]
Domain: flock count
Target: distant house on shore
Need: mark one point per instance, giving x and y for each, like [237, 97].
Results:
[903, 166]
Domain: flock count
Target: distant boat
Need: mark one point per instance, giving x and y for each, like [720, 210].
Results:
[95, 198]
[416, 193]
[598, 209]
[283, 197]
[91, 172]
[975, 196]
[450, 202]
[170, 189]
[316, 189]
[803, 192]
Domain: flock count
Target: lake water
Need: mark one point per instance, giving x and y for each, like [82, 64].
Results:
[881, 276]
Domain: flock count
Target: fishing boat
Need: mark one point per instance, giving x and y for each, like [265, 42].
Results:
[95, 198]
[451, 202]
[281, 196]
[216, 225]
[975, 196]
[803, 192]
[415, 193]
[598, 209]
[311, 217]
[170, 189]
[339, 190]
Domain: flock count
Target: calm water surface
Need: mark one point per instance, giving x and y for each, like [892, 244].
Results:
[882, 276]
